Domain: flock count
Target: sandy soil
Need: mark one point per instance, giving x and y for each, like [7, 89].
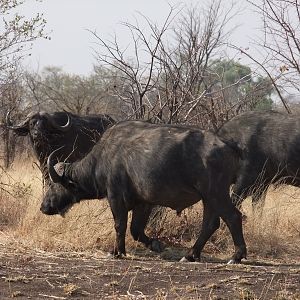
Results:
[34, 274]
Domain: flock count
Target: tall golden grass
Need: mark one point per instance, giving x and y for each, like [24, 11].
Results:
[273, 233]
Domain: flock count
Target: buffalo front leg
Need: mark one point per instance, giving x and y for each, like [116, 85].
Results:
[140, 217]
[211, 222]
[120, 214]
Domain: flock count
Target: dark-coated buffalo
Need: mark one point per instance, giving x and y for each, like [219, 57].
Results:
[137, 163]
[49, 131]
[272, 151]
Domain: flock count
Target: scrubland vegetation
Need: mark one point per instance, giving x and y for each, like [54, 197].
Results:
[273, 233]
[178, 73]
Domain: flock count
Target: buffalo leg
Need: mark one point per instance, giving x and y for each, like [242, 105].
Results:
[211, 222]
[244, 188]
[140, 217]
[251, 176]
[120, 214]
[233, 219]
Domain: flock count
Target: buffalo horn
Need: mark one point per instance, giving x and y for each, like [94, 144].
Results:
[23, 124]
[50, 164]
[52, 122]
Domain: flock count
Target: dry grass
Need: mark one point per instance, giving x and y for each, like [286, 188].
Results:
[275, 233]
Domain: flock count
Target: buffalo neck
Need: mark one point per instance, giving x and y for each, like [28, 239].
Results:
[86, 175]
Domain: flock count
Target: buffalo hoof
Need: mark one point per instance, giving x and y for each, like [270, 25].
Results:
[115, 255]
[184, 260]
[119, 256]
[109, 255]
[156, 246]
[234, 261]
[187, 259]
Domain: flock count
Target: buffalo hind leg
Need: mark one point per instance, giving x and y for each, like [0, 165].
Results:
[241, 190]
[211, 222]
[233, 219]
[140, 217]
[223, 207]
[120, 214]
[245, 184]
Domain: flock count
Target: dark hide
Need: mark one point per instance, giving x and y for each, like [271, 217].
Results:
[137, 163]
[78, 139]
[272, 146]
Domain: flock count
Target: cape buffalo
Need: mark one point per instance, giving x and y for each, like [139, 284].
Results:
[49, 131]
[137, 163]
[272, 151]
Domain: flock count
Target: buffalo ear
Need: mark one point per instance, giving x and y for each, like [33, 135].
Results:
[60, 168]
[55, 175]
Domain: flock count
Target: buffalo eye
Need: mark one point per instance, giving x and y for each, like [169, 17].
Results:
[72, 185]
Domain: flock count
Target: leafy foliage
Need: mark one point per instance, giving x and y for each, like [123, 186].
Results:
[17, 34]
[240, 86]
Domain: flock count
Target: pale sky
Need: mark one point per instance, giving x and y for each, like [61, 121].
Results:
[71, 45]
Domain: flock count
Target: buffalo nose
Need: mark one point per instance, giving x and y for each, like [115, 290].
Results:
[43, 208]
[46, 209]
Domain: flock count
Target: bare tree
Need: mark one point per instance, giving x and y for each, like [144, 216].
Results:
[17, 34]
[280, 45]
[170, 76]
[52, 90]
[11, 98]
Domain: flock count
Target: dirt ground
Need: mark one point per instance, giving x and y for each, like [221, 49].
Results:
[35, 274]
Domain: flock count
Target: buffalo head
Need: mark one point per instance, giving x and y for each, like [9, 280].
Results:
[39, 125]
[63, 192]
[45, 131]
[57, 200]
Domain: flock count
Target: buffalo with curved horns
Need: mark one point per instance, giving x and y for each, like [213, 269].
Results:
[49, 131]
[137, 163]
